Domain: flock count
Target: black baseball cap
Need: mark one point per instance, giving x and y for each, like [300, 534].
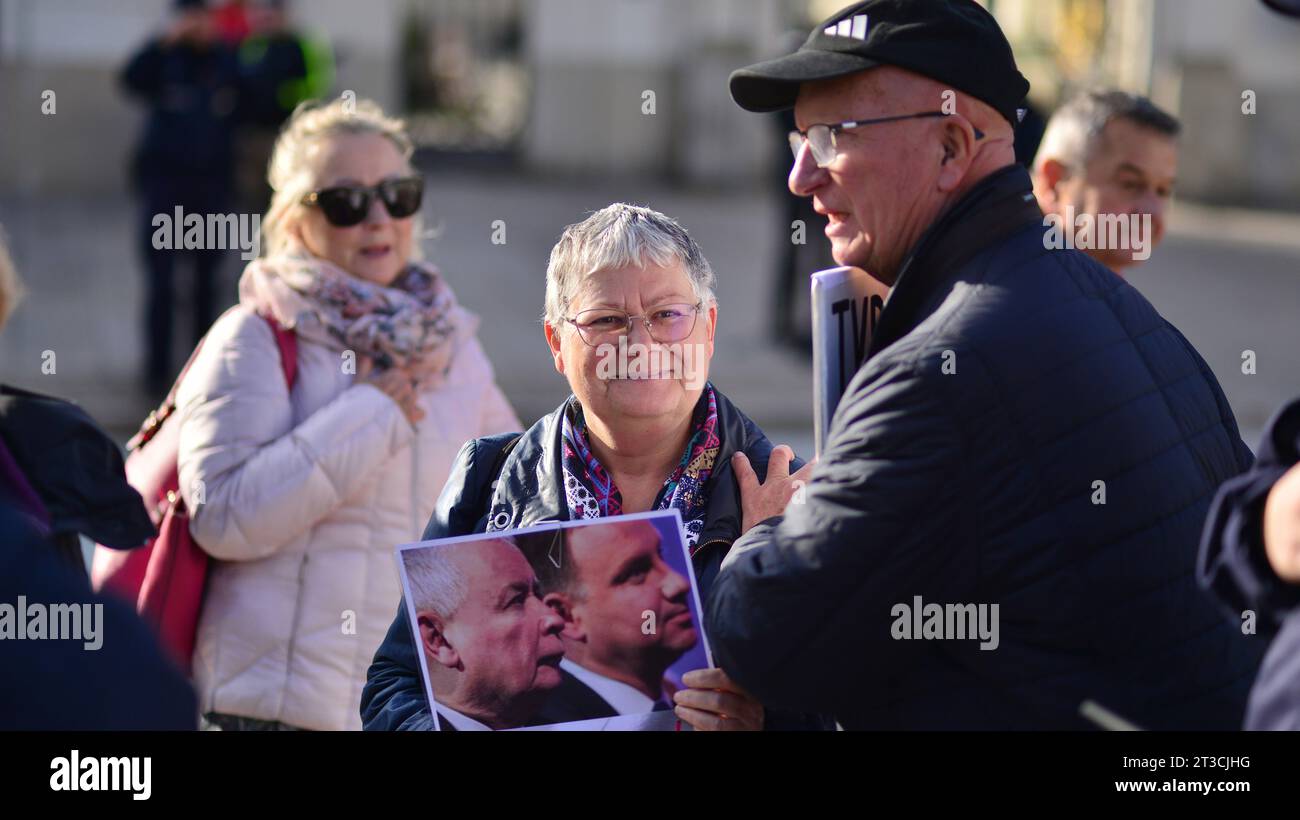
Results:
[955, 42]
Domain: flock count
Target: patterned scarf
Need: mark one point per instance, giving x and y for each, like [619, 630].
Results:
[415, 322]
[591, 492]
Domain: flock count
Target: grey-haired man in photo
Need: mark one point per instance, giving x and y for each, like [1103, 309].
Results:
[1026, 429]
[491, 647]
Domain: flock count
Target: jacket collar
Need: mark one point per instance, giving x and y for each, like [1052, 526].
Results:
[529, 489]
[1000, 205]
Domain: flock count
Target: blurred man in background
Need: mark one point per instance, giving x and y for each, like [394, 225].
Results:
[1108, 153]
[279, 67]
[189, 80]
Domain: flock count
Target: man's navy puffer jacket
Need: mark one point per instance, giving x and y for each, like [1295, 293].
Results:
[1007, 387]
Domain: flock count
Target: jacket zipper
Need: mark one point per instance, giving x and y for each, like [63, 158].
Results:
[702, 547]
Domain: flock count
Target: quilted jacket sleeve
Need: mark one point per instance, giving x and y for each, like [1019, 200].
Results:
[264, 478]
[1232, 562]
[874, 528]
[393, 698]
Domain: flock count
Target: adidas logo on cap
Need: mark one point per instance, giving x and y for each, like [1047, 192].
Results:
[855, 27]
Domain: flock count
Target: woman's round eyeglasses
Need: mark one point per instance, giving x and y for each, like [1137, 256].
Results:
[665, 323]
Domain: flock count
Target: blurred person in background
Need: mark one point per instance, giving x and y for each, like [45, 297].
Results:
[1107, 153]
[188, 78]
[62, 477]
[797, 260]
[307, 491]
[232, 21]
[280, 67]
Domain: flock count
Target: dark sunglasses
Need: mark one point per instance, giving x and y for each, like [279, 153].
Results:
[347, 205]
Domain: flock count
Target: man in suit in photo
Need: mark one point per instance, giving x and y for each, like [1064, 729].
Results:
[626, 616]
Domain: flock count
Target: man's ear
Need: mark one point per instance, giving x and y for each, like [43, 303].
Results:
[435, 642]
[553, 342]
[957, 140]
[1048, 179]
[562, 604]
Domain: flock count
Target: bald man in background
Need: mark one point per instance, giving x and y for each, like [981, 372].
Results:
[1028, 440]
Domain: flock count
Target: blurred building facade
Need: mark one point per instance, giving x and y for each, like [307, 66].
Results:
[638, 87]
[1203, 60]
[628, 86]
[75, 49]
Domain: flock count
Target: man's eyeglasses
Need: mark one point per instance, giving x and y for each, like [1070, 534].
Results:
[666, 323]
[347, 205]
[821, 137]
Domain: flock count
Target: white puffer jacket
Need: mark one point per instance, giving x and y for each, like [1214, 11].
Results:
[305, 495]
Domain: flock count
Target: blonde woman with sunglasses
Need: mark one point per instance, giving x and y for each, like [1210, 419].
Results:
[300, 493]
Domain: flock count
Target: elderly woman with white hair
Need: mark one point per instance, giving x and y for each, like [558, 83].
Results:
[299, 492]
[630, 320]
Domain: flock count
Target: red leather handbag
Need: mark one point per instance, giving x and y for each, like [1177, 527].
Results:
[164, 579]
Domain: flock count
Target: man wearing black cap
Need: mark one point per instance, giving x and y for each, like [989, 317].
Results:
[1027, 438]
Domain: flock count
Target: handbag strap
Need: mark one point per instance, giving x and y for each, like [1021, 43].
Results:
[285, 340]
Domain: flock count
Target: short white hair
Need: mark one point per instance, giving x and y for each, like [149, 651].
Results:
[437, 583]
[621, 236]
